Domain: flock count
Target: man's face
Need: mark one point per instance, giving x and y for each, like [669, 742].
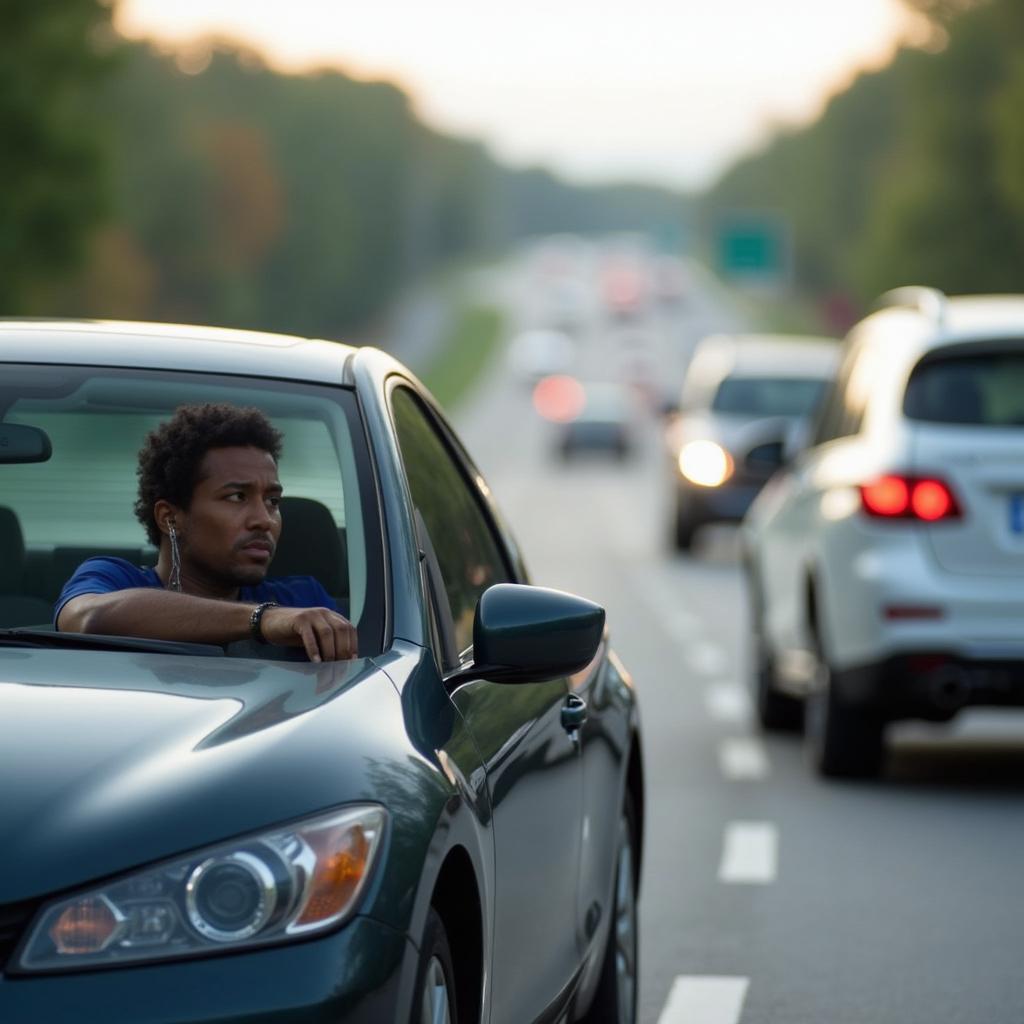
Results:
[230, 531]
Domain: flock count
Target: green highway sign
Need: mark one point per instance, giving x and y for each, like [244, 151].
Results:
[753, 248]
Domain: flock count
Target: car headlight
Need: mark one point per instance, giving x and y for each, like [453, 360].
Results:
[288, 882]
[705, 463]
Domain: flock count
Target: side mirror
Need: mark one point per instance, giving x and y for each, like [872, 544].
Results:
[527, 634]
[764, 459]
[20, 443]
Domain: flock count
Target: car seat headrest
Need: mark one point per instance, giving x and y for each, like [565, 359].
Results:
[310, 545]
[12, 552]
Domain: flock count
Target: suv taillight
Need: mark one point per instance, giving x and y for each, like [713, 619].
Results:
[924, 499]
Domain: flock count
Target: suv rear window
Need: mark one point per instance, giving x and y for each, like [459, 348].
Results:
[981, 389]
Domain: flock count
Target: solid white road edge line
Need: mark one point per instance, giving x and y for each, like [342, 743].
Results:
[743, 758]
[750, 853]
[705, 999]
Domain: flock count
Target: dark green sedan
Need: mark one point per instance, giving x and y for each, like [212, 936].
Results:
[446, 828]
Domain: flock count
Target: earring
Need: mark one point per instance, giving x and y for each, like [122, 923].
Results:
[175, 581]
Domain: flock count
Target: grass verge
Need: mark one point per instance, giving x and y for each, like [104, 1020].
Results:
[465, 354]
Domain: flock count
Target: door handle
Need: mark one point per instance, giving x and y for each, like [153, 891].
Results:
[574, 712]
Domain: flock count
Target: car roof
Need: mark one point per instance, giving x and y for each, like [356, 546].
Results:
[909, 331]
[172, 347]
[766, 355]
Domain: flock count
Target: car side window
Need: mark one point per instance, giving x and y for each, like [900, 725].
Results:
[461, 533]
[842, 411]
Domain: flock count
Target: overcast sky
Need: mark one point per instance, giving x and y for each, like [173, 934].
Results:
[667, 91]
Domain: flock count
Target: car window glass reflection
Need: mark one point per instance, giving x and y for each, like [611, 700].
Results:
[467, 552]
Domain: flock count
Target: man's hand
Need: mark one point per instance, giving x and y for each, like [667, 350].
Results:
[326, 635]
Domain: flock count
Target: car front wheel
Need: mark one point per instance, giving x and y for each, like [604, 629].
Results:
[435, 981]
[615, 999]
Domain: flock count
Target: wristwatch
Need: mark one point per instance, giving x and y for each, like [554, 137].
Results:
[256, 618]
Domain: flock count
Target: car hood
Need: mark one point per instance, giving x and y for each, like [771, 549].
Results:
[112, 760]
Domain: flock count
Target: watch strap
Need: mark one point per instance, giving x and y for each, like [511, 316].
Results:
[256, 620]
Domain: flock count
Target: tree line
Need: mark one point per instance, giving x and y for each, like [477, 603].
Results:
[204, 186]
[914, 174]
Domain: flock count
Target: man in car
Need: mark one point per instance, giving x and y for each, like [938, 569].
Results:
[209, 498]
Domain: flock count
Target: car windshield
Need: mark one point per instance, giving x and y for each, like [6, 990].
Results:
[768, 396]
[79, 502]
[986, 389]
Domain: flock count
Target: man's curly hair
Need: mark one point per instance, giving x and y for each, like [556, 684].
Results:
[169, 460]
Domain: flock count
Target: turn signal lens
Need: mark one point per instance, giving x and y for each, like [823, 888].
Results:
[88, 926]
[922, 499]
[705, 463]
[342, 857]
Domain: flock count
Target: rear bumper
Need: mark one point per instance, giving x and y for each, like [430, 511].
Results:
[363, 974]
[884, 597]
[932, 684]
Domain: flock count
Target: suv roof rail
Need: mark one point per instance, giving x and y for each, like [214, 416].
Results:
[930, 302]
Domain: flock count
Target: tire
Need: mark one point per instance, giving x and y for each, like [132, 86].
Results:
[616, 996]
[435, 999]
[776, 712]
[683, 531]
[843, 742]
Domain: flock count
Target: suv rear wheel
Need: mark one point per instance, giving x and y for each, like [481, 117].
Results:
[842, 741]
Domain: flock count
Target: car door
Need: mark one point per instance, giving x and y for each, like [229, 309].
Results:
[791, 523]
[532, 761]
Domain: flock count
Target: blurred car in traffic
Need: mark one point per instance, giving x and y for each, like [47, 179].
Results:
[541, 352]
[738, 393]
[886, 561]
[566, 304]
[445, 828]
[596, 417]
[605, 423]
[624, 288]
[671, 280]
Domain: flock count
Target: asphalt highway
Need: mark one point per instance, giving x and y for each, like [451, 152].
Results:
[768, 896]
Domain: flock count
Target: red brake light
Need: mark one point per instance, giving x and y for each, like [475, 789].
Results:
[931, 500]
[924, 499]
[889, 496]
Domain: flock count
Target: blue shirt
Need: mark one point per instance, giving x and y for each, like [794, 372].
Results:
[105, 575]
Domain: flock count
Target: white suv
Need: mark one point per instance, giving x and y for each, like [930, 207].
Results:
[886, 562]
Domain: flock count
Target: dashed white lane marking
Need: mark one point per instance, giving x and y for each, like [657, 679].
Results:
[705, 999]
[750, 854]
[743, 758]
[666, 603]
[728, 703]
[707, 658]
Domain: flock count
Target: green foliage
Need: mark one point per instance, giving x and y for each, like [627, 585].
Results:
[912, 175]
[465, 355]
[247, 197]
[52, 56]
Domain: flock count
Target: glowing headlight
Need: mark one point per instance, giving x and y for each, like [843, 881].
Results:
[705, 463]
[269, 887]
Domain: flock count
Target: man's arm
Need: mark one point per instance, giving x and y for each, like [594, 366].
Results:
[165, 615]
